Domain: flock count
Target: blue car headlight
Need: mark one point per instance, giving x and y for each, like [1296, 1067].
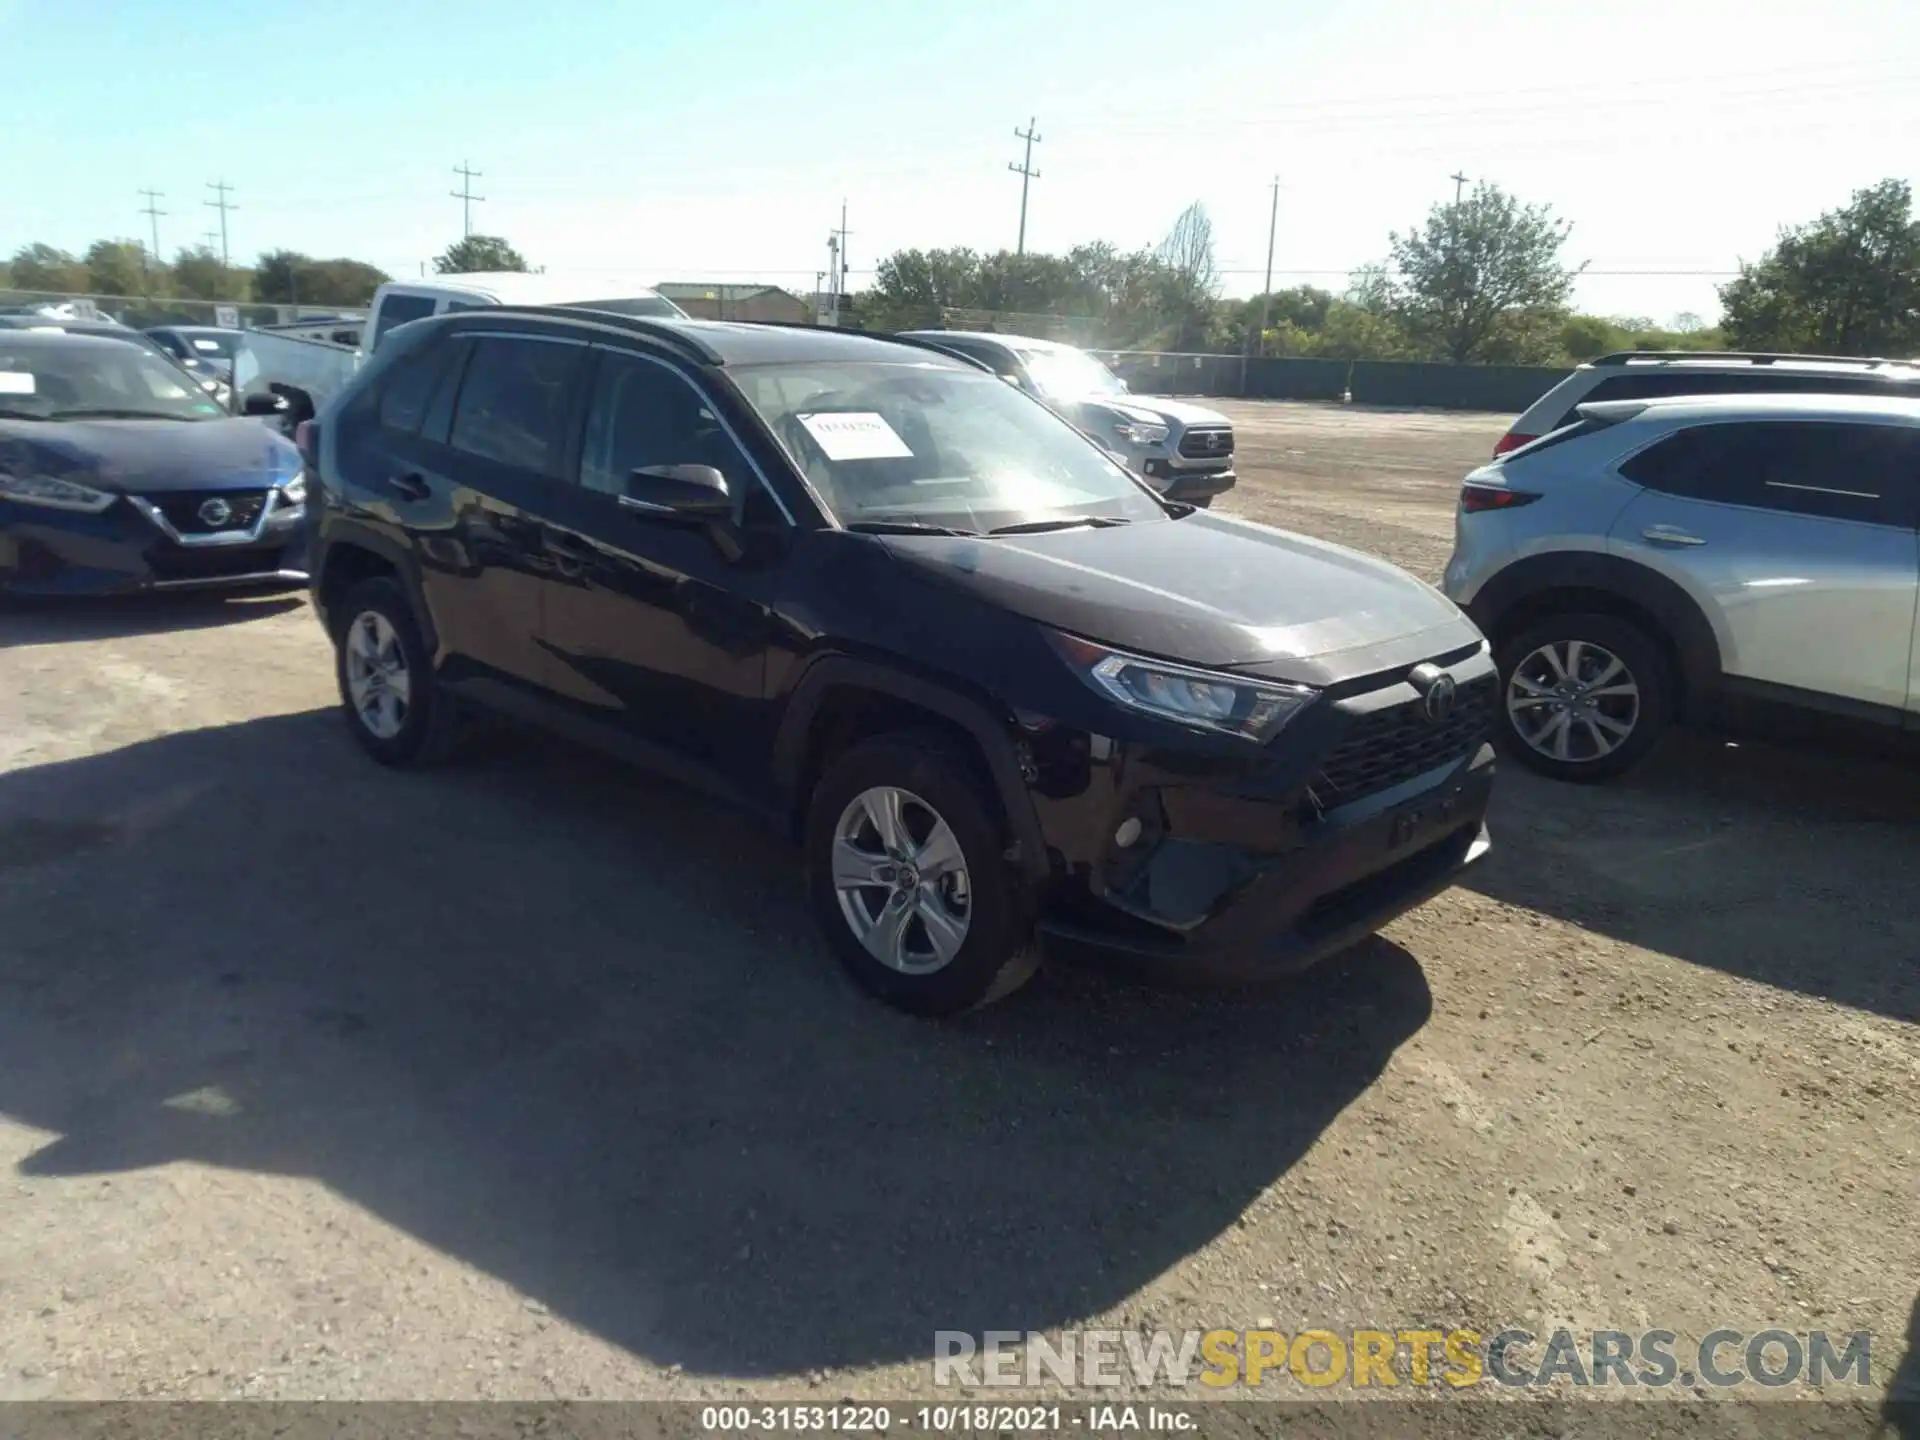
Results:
[53, 493]
[294, 491]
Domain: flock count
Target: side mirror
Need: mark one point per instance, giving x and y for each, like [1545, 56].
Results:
[260, 405]
[698, 492]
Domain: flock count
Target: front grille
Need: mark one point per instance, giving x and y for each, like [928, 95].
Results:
[1389, 746]
[182, 509]
[1215, 444]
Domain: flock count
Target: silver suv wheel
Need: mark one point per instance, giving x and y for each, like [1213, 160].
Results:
[1573, 701]
[377, 678]
[901, 880]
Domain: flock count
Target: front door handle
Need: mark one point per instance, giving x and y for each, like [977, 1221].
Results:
[411, 486]
[1669, 535]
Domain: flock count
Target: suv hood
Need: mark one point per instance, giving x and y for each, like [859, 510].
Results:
[1208, 590]
[147, 456]
[1154, 407]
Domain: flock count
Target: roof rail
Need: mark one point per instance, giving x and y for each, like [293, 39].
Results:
[892, 337]
[1755, 357]
[665, 331]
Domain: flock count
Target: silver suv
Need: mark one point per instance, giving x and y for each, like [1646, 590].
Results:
[1184, 451]
[1678, 558]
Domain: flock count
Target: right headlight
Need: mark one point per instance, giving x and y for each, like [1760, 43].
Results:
[54, 493]
[1205, 699]
[1140, 432]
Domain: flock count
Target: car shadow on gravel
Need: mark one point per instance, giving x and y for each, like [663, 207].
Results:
[1791, 866]
[572, 1026]
[53, 622]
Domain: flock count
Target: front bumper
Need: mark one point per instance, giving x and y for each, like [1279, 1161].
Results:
[125, 550]
[1191, 482]
[1260, 865]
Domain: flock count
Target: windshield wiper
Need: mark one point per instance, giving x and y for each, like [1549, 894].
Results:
[1036, 527]
[904, 527]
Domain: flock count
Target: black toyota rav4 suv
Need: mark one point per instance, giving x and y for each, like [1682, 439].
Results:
[992, 684]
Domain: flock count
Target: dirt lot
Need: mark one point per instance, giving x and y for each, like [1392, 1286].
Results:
[528, 1078]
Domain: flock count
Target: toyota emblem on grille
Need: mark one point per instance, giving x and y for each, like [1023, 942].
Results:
[1437, 691]
[215, 512]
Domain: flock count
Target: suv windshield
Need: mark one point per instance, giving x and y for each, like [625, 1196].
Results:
[1070, 373]
[924, 445]
[96, 379]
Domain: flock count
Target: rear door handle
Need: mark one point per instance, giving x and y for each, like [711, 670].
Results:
[1669, 535]
[411, 486]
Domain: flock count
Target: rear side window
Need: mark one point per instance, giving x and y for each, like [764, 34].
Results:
[1570, 431]
[398, 310]
[513, 401]
[1664, 383]
[1803, 467]
[410, 386]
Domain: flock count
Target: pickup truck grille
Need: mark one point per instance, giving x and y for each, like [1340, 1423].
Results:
[1389, 746]
[1207, 444]
[183, 509]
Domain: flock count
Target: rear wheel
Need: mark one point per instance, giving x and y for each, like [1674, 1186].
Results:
[393, 703]
[907, 872]
[1584, 697]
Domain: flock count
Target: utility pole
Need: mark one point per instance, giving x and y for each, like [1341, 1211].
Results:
[1459, 185]
[466, 197]
[837, 262]
[223, 205]
[1027, 175]
[153, 214]
[1266, 290]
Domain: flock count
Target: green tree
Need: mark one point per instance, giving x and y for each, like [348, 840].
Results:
[199, 275]
[119, 267]
[478, 252]
[912, 288]
[1477, 263]
[1846, 284]
[42, 267]
[286, 277]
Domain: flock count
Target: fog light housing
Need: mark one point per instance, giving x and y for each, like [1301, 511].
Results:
[1157, 469]
[1128, 833]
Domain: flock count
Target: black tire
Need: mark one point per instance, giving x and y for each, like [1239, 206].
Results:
[1644, 665]
[429, 731]
[998, 954]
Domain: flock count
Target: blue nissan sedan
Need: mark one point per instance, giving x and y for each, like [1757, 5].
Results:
[118, 473]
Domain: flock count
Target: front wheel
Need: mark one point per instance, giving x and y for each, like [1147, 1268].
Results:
[907, 871]
[1583, 697]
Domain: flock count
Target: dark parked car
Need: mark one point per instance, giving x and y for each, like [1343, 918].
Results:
[208, 346]
[118, 472]
[993, 684]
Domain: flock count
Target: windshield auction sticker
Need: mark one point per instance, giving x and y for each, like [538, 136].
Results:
[855, 435]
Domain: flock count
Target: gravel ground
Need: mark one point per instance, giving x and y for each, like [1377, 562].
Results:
[528, 1078]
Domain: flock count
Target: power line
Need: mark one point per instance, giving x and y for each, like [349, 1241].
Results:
[153, 214]
[1027, 175]
[1459, 185]
[223, 205]
[466, 197]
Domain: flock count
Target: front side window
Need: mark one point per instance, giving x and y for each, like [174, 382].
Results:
[410, 386]
[513, 401]
[398, 310]
[641, 415]
[924, 444]
[97, 379]
[1069, 374]
[1831, 469]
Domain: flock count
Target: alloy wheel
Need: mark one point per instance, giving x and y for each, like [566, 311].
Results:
[1573, 701]
[901, 880]
[378, 681]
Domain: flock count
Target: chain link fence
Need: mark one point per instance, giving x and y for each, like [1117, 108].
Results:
[143, 312]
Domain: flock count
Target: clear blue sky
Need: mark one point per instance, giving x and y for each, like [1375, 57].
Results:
[716, 140]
